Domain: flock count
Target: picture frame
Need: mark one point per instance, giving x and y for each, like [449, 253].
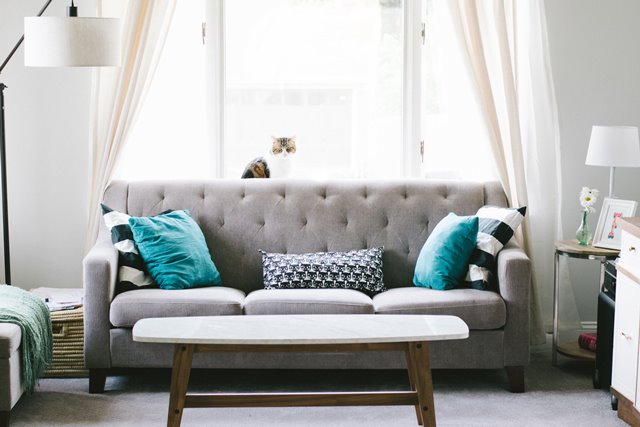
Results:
[607, 233]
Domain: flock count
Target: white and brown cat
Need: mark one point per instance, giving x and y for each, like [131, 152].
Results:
[278, 163]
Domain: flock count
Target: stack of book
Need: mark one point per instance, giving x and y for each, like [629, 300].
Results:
[60, 298]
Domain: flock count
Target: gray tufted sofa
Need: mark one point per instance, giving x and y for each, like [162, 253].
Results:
[239, 217]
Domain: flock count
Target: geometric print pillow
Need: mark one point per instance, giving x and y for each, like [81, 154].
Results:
[132, 271]
[359, 269]
[496, 226]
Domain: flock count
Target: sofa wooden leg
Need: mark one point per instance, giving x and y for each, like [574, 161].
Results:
[4, 418]
[97, 380]
[515, 376]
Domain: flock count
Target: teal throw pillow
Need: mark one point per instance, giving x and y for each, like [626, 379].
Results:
[443, 259]
[174, 250]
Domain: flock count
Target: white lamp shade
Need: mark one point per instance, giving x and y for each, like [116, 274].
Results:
[617, 146]
[71, 42]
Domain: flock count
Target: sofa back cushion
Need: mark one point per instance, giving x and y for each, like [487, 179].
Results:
[241, 217]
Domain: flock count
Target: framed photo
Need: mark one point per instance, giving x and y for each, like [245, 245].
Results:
[607, 232]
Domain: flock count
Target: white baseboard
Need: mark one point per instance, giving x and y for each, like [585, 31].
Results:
[589, 326]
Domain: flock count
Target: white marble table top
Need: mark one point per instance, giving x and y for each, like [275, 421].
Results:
[300, 329]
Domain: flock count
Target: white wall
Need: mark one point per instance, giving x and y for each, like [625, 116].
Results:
[47, 129]
[596, 67]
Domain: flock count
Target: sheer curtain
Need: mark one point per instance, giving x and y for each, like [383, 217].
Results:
[118, 92]
[508, 63]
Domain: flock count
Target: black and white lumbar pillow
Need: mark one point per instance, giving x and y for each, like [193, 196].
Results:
[496, 226]
[132, 272]
[359, 269]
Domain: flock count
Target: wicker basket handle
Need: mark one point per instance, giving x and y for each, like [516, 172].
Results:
[60, 330]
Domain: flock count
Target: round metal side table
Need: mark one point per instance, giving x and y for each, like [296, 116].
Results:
[572, 249]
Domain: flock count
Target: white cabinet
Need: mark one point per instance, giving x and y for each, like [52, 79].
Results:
[625, 340]
[630, 252]
[626, 343]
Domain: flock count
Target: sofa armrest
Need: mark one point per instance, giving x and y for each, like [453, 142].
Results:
[514, 281]
[100, 270]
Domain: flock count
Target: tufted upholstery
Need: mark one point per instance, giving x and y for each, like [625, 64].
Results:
[239, 217]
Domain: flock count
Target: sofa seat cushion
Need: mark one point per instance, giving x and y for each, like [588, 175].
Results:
[307, 301]
[479, 309]
[10, 336]
[129, 307]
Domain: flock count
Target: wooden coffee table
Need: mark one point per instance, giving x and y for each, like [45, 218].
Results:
[302, 333]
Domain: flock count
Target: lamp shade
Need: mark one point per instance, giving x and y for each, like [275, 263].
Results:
[71, 42]
[617, 146]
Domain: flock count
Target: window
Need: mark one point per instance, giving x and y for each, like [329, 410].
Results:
[328, 72]
[455, 138]
[169, 138]
[351, 80]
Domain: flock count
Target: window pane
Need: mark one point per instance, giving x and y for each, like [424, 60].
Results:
[168, 139]
[455, 135]
[328, 72]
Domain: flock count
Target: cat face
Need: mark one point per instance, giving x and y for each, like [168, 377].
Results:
[282, 147]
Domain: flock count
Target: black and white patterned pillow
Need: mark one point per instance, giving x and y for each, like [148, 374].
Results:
[132, 272]
[496, 226]
[359, 269]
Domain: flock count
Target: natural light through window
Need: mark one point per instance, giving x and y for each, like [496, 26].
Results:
[336, 74]
[454, 133]
[168, 139]
[328, 72]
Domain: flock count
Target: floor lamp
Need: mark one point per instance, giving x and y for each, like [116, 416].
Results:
[57, 42]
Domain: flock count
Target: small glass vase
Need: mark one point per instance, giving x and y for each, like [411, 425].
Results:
[584, 234]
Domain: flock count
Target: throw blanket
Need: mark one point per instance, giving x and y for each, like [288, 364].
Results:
[32, 315]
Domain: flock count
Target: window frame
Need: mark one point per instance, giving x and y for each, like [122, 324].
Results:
[214, 36]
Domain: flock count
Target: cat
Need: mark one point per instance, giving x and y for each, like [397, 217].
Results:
[278, 163]
[257, 168]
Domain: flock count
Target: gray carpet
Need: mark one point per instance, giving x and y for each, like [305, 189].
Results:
[561, 396]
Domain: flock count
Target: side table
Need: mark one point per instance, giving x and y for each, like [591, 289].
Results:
[572, 249]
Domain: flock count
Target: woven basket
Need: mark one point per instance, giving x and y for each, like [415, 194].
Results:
[68, 344]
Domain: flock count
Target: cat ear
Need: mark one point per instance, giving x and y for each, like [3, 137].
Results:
[293, 137]
[273, 138]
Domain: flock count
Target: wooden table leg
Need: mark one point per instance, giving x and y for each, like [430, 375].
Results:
[182, 356]
[420, 370]
[412, 380]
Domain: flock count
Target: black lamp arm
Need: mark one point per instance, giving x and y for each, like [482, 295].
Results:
[13, 51]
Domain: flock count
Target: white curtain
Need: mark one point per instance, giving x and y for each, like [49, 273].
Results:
[508, 63]
[118, 93]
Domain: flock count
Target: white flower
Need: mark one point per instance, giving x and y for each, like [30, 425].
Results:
[588, 198]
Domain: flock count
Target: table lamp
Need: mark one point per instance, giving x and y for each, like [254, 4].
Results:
[57, 42]
[613, 146]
